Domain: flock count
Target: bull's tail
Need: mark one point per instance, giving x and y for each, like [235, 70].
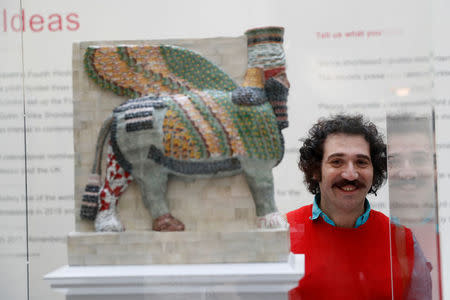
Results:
[90, 201]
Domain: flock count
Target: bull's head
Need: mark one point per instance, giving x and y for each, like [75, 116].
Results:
[266, 53]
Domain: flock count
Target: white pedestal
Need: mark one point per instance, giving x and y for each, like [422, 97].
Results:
[258, 281]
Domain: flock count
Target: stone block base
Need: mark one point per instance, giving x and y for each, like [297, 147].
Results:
[143, 247]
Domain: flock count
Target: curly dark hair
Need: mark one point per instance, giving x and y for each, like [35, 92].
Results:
[311, 153]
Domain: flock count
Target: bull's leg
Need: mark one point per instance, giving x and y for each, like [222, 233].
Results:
[116, 181]
[260, 180]
[154, 187]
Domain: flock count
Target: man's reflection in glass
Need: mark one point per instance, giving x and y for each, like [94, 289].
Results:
[411, 173]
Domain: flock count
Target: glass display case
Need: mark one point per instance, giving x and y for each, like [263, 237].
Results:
[387, 61]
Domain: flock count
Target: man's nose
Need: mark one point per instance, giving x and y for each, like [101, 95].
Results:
[406, 171]
[350, 172]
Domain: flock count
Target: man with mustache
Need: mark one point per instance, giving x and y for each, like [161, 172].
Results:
[351, 251]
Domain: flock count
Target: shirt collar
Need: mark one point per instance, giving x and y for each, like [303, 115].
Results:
[317, 212]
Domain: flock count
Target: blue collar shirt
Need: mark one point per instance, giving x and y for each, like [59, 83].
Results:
[317, 212]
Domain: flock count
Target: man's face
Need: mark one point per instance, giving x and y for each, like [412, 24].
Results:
[346, 172]
[411, 170]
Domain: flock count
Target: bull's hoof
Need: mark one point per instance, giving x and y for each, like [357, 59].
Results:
[167, 222]
[107, 220]
[274, 220]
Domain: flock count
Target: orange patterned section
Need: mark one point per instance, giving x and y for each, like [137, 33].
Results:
[178, 142]
[109, 66]
[237, 147]
[203, 127]
[140, 78]
[150, 59]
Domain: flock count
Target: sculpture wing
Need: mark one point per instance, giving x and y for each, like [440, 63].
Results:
[135, 71]
[195, 69]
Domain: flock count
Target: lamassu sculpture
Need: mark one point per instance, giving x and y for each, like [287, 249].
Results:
[186, 117]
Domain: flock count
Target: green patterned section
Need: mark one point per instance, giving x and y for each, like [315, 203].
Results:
[264, 31]
[254, 122]
[268, 128]
[256, 125]
[213, 122]
[152, 76]
[102, 82]
[123, 54]
[196, 69]
[196, 138]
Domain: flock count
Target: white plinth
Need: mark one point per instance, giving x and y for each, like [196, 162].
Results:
[196, 281]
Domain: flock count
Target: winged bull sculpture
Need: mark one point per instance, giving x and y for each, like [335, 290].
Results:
[188, 118]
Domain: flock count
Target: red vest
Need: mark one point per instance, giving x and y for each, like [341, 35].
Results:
[351, 263]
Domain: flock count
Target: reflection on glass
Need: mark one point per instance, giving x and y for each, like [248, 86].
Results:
[412, 191]
[411, 170]
[13, 214]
